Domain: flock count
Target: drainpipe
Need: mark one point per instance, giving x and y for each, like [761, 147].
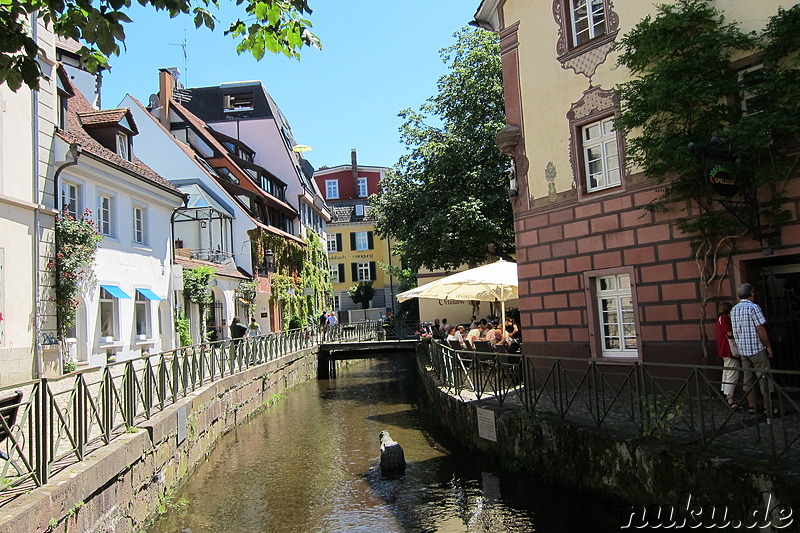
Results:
[37, 314]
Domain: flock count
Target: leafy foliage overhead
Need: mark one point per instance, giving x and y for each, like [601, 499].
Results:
[446, 201]
[276, 26]
[685, 90]
[705, 96]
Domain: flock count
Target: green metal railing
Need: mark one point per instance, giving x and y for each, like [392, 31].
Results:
[679, 404]
[492, 375]
[61, 421]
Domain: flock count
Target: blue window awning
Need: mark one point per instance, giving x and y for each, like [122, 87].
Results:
[115, 291]
[150, 295]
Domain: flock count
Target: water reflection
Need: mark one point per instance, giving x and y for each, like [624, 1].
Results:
[311, 464]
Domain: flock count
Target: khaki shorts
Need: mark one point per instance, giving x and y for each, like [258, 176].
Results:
[758, 361]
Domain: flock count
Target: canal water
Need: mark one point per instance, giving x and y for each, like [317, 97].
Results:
[310, 463]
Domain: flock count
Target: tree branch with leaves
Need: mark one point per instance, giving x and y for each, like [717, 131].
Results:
[277, 26]
[682, 117]
[446, 201]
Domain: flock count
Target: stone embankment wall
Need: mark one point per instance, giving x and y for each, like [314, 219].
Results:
[628, 471]
[121, 486]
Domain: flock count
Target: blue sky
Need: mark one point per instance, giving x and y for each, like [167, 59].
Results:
[378, 58]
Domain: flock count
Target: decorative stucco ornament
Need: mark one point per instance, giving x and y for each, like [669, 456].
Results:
[550, 176]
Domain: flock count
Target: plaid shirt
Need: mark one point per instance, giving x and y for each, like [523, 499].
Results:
[745, 317]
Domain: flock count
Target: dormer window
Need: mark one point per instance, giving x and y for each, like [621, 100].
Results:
[359, 210]
[112, 128]
[124, 145]
[238, 102]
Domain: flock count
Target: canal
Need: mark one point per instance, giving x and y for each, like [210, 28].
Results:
[310, 463]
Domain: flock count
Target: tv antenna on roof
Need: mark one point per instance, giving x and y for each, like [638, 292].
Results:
[185, 56]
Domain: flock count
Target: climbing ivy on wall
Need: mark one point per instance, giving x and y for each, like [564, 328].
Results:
[296, 268]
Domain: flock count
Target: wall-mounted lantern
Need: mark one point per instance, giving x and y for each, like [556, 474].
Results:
[269, 260]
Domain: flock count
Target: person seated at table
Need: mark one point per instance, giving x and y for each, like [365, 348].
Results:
[475, 334]
[497, 340]
[452, 335]
[460, 335]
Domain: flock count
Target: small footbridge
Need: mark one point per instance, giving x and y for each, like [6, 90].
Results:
[329, 352]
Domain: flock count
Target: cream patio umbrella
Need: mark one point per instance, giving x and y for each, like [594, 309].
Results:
[488, 283]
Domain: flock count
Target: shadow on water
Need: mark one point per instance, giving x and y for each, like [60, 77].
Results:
[310, 463]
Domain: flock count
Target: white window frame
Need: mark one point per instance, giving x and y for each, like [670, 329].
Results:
[362, 187]
[363, 271]
[359, 210]
[71, 192]
[337, 302]
[142, 311]
[331, 189]
[335, 273]
[139, 221]
[110, 306]
[362, 241]
[123, 145]
[745, 96]
[607, 144]
[332, 245]
[105, 214]
[616, 315]
[589, 12]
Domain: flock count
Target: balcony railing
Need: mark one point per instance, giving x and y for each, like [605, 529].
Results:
[49, 424]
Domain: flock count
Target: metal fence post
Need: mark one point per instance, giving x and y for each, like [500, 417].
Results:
[176, 371]
[129, 390]
[42, 432]
[80, 416]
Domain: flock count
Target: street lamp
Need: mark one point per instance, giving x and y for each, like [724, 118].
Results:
[269, 260]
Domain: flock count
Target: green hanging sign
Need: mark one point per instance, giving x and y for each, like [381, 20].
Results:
[722, 182]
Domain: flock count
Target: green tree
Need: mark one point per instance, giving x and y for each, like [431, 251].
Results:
[276, 26]
[683, 121]
[196, 283]
[446, 201]
[363, 293]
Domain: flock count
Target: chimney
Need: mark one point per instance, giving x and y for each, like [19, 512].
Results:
[166, 86]
[354, 166]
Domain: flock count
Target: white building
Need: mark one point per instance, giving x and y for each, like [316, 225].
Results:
[28, 344]
[244, 111]
[212, 221]
[126, 308]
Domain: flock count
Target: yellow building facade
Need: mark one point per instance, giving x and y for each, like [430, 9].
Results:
[355, 251]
